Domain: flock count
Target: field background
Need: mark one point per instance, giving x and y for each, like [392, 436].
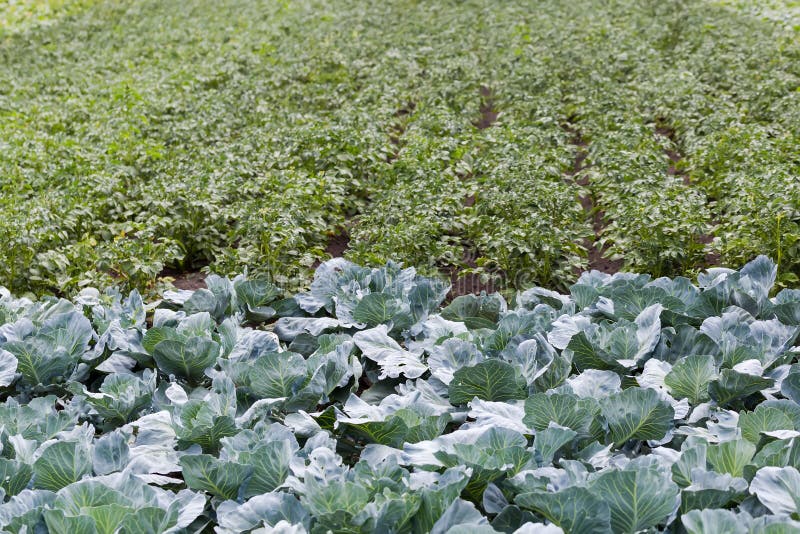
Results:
[500, 144]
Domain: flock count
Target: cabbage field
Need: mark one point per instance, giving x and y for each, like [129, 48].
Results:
[456, 266]
[629, 404]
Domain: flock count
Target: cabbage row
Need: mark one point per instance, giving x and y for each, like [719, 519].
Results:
[362, 405]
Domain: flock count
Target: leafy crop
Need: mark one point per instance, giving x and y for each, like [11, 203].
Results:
[459, 137]
[628, 404]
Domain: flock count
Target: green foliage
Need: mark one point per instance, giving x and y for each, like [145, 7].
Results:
[446, 136]
[631, 404]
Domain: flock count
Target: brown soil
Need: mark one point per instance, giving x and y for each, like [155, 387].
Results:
[337, 245]
[711, 259]
[674, 157]
[184, 280]
[469, 201]
[468, 284]
[488, 112]
[596, 259]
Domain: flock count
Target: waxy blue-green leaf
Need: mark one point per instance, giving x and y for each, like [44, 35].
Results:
[276, 375]
[220, 478]
[730, 456]
[734, 386]
[574, 509]
[778, 488]
[763, 419]
[61, 464]
[187, 360]
[639, 496]
[379, 308]
[636, 413]
[476, 311]
[492, 380]
[690, 376]
[563, 409]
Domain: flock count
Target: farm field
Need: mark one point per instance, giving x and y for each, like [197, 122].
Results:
[478, 267]
[509, 145]
[362, 405]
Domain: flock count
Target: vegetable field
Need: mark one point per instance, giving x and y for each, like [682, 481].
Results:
[503, 143]
[629, 404]
[401, 267]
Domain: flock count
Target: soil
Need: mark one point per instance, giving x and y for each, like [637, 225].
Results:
[674, 157]
[488, 112]
[337, 245]
[185, 280]
[467, 284]
[596, 260]
[712, 258]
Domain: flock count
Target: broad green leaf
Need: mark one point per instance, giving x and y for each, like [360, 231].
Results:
[574, 509]
[476, 311]
[157, 334]
[270, 464]
[693, 457]
[778, 453]
[636, 413]
[548, 441]
[404, 426]
[712, 490]
[61, 464]
[277, 375]
[41, 363]
[638, 497]
[108, 518]
[778, 488]
[14, 476]
[690, 376]
[110, 453]
[205, 473]
[59, 523]
[790, 387]
[492, 380]
[187, 360]
[563, 409]
[148, 520]
[208, 434]
[254, 296]
[732, 386]
[376, 308]
[120, 397]
[88, 493]
[713, 521]
[586, 355]
[730, 456]
[763, 419]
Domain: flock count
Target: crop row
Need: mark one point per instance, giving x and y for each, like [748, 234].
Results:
[628, 404]
[461, 137]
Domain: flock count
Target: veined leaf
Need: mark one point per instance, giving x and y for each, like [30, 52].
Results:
[187, 360]
[636, 413]
[492, 380]
[574, 509]
[638, 497]
[61, 464]
[206, 473]
[689, 378]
